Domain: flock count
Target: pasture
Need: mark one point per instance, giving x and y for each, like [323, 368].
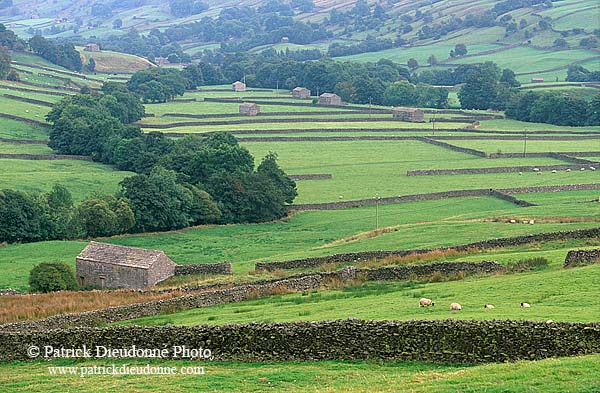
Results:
[576, 374]
[82, 178]
[315, 233]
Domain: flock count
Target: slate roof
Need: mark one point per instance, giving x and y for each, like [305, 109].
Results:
[120, 255]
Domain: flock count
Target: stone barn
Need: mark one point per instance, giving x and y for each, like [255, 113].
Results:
[408, 114]
[301, 92]
[330, 99]
[238, 86]
[92, 48]
[110, 266]
[249, 109]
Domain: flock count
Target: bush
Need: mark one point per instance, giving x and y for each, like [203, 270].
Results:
[52, 276]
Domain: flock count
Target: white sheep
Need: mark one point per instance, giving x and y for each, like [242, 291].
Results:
[489, 306]
[536, 169]
[455, 307]
[568, 169]
[583, 169]
[592, 168]
[549, 321]
[525, 305]
[425, 302]
[554, 171]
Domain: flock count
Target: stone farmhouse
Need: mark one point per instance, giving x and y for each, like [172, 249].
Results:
[330, 99]
[414, 115]
[238, 86]
[110, 266]
[249, 109]
[301, 92]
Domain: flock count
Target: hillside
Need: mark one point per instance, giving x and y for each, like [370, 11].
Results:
[114, 62]
[544, 38]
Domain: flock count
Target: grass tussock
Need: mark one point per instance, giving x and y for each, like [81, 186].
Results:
[530, 264]
[38, 306]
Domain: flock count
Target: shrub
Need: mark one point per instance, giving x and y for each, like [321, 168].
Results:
[52, 276]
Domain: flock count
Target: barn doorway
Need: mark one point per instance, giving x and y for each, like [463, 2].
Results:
[101, 281]
[81, 282]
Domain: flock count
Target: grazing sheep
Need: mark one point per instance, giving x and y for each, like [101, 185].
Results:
[455, 307]
[568, 170]
[554, 171]
[520, 173]
[549, 321]
[536, 169]
[489, 306]
[592, 168]
[425, 302]
[583, 169]
[525, 305]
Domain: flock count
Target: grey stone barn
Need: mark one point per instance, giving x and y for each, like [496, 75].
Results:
[301, 92]
[408, 114]
[249, 109]
[238, 86]
[110, 266]
[330, 99]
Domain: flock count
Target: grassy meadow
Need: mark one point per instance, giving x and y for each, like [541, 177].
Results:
[576, 374]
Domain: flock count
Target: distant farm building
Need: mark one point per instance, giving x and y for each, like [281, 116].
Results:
[110, 266]
[161, 61]
[92, 48]
[238, 86]
[285, 40]
[330, 99]
[301, 92]
[408, 114]
[249, 109]
[537, 80]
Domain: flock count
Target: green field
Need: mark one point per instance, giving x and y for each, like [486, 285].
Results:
[553, 294]
[411, 225]
[517, 146]
[576, 374]
[21, 148]
[364, 169]
[12, 129]
[82, 178]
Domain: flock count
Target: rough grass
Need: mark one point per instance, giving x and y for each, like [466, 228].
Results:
[114, 62]
[38, 306]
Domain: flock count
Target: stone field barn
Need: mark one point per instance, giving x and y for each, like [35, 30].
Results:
[110, 266]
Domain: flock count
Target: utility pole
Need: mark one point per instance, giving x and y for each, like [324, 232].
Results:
[433, 124]
[370, 103]
[525, 144]
[376, 212]
[277, 88]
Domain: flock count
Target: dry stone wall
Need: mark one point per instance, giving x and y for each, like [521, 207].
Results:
[354, 257]
[203, 268]
[582, 257]
[447, 341]
[498, 169]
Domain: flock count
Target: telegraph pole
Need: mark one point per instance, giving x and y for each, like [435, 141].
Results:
[376, 212]
[525, 144]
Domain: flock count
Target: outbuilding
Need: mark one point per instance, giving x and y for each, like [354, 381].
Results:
[105, 265]
[249, 109]
[238, 86]
[301, 92]
[92, 48]
[330, 99]
[414, 115]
